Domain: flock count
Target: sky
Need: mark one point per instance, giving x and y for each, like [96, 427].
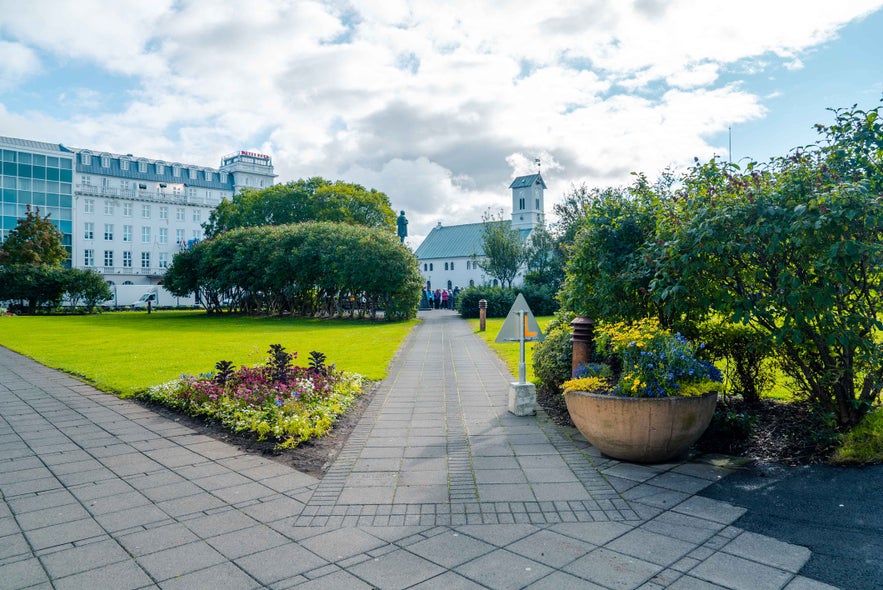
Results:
[438, 104]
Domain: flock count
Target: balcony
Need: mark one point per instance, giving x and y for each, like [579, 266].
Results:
[173, 198]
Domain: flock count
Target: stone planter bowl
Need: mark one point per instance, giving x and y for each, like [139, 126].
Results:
[640, 429]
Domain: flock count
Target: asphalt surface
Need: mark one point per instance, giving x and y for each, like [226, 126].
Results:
[836, 512]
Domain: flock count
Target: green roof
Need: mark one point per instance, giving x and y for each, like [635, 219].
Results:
[456, 241]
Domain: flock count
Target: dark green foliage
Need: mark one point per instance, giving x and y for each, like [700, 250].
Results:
[226, 370]
[279, 363]
[38, 285]
[553, 357]
[315, 199]
[310, 269]
[541, 300]
[86, 285]
[317, 362]
[33, 240]
[747, 353]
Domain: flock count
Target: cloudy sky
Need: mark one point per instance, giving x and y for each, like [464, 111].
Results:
[439, 104]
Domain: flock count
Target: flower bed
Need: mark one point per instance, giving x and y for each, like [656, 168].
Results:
[290, 403]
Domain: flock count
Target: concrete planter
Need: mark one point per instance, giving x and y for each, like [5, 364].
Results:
[640, 429]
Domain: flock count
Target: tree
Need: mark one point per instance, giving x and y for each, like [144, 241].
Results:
[33, 240]
[793, 249]
[503, 250]
[315, 199]
[38, 285]
[87, 285]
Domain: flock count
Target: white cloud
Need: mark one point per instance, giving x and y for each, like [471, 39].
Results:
[436, 104]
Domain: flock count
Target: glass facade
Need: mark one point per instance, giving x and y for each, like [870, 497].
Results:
[41, 181]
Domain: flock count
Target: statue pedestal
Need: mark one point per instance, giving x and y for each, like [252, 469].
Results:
[522, 399]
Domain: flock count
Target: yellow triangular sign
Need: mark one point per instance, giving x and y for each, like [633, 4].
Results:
[518, 324]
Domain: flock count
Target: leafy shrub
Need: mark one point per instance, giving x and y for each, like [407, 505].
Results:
[500, 299]
[291, 403]
[553, 357]
[746, 351]
[593, 383]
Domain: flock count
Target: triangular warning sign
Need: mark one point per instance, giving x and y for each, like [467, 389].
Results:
[520, 323]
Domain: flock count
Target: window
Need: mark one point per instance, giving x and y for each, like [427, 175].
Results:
[88, 230]
[467, 265]
[127, 259]
[446, 266]
[191, 194]
[452, 266]
[124, 164]
[208, 175]
[127, 209]
[142, 167]
[88, 205]
[176, 171]
[223, 176]
[145, 260]
[521, 203]
[179, 236]
[195, 234]
[197, 216]
[537, 206]
[86, 180]
[105, 161]
[108, 207]
[163, 212]
[430, 266]
[108, 258]
[163, 235]
[108, 231]
[86, 159]
[179, 214]
[425, 267]
[89, 257]
[471, 283]
[163, 259]
[160, 169]
[193, 174]
[128, 283]
[145, 234]
[145, 211]
[127, 233]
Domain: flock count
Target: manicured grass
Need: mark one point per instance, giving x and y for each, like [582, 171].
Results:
[509, 351]
[126, 352]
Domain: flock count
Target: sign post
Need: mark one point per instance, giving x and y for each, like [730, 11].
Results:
[521, 326]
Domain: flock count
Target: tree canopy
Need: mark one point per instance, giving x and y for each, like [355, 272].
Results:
[504, 252]
[33, 240]
[315, 199]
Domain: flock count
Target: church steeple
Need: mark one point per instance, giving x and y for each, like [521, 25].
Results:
[528, 206]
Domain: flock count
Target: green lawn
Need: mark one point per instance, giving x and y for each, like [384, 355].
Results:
[126, 352]
[509, 351]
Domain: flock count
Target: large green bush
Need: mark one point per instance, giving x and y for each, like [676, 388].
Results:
[500, 299]
[552, 358]
[314, 268]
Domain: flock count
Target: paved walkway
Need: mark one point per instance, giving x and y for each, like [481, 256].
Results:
[438, 487]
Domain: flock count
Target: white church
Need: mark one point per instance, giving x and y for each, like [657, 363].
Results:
[449, 254]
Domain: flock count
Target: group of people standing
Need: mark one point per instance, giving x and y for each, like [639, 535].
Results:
[439, 299]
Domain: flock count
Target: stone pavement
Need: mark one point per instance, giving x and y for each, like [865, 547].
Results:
[437, 487]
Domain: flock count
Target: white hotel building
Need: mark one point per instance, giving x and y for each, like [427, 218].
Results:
[122, 215]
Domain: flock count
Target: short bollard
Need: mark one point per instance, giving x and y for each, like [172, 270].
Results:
[482, 314]
[149, 306]
[583, 341]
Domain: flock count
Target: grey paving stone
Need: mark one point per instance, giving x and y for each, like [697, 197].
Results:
[83, 558]
[613, 570]
[22, 573]
[279, 563]
[336, 580]
[563, 581]
[339, 544]
[690, 583]
[224, 575]
[551, 548]
[59, 534]
[156, 539]
[801, 583]
[179, 561]
[123, 575]
[596, 533]
[709, 509]
[651, 547]
[740, 574]
[683, 527]
[396, 570]
[450, 549]
[218, 523]
[503, 569]
[769, 551]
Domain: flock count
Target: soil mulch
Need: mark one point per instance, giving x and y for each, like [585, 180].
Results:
[770, 431]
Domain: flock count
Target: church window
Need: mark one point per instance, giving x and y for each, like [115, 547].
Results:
[446, 266]
[471, 283]
[452, 266]
[430, 266]
[467, 265]
[425, 267]
[537, 206]
[521, 203]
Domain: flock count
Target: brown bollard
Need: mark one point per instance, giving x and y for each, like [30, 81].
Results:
[482, 314]
[583, 341]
